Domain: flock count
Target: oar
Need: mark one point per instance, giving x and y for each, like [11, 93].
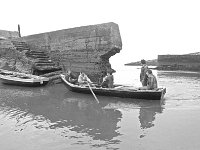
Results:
[92, 92]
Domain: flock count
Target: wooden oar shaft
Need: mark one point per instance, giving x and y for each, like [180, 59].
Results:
[93, 93]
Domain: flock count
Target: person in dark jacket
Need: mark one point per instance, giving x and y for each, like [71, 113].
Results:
[71, 77]
[143, 75]
[108, 81]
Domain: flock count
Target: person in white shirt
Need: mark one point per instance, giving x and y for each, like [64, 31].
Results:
[83, 79]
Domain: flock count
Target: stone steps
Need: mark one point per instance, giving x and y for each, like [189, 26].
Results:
[41, 60]
[36, 52]
[38, 56]
[47, 68]
[45, 64]
[44, 61]
[22, 49]
[20, 46]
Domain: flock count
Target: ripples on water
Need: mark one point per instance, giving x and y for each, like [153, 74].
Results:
[52, 117]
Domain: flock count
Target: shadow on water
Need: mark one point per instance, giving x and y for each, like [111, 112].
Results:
[55, 108]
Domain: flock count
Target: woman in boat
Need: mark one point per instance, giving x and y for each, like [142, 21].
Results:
[151, 82]
[108, 81]
[143, 75]
[83, 79]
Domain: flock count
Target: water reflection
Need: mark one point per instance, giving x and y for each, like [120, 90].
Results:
[148, 109]
[147, 115]
[62, 113]
[73, 116]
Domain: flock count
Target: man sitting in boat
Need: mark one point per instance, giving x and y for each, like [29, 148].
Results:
[151, 82]
[83, 79]
[108, 81]
[71, 77]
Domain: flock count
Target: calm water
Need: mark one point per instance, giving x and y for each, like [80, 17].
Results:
[54, 118]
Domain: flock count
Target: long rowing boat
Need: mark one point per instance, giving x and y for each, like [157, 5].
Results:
[22, 79]
[118, 91]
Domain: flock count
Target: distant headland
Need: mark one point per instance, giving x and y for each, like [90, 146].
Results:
[152, 62]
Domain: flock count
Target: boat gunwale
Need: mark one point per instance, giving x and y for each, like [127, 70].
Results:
[32, 78]
[111, 89]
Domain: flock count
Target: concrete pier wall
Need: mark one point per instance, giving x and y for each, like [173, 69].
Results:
[179, 62]
[86, 48]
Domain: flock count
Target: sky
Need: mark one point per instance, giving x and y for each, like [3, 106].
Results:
[148, 28]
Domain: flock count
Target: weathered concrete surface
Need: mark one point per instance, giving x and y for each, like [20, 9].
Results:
[86, 48]
[12, 59]
[179, 62]
[8, 34]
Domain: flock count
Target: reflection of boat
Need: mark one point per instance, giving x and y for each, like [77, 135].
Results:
[147, 115]
[74, 113]
[22, 79]
[119, 91]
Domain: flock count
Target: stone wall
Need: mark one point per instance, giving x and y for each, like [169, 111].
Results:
[13, 59]
[8, 34]
[179, 62]
[86, 48]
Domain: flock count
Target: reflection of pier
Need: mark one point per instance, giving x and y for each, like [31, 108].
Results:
[75, 117]
[72, 113]
[90, 118]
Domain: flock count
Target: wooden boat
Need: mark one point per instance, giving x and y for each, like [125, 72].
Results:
[22, 79]
[117, 91]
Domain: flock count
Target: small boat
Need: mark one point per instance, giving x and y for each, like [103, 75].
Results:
[22, 79]
[117, 91]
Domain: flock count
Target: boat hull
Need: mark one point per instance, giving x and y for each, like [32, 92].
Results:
[21, 79]
[21, 83]
[123, 93]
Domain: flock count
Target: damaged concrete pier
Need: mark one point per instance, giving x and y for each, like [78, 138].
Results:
[86, 48]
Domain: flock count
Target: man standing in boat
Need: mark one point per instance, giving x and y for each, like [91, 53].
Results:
[143, 75]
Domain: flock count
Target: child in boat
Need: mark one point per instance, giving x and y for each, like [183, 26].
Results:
[151, 82]
[83, 79]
